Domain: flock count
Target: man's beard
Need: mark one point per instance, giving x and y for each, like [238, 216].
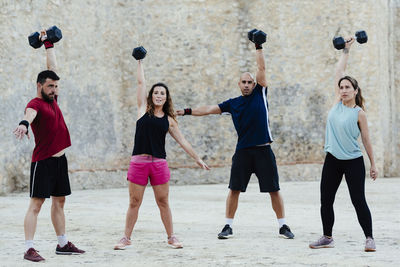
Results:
[46, 97]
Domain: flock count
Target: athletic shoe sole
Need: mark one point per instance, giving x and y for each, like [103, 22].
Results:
[175, 247]
[121, 248]
[285, 237]
[370, 250]
[225, 237]
[324, 246]
[68, 253]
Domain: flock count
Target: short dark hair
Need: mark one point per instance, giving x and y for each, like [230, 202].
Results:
[41, 78]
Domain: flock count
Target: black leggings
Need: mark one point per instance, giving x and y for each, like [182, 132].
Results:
[332, 173]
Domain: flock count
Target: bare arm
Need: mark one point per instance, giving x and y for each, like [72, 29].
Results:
[260, 75]
[362, 122]
[51, 61]
[342, 64]
[180, 139]
[201, 111]
[141, 90]
[21, 130]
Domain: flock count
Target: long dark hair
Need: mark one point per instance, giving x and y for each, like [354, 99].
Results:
[354, 83]
[168, 107]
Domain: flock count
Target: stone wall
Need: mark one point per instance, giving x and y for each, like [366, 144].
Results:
[199, 48]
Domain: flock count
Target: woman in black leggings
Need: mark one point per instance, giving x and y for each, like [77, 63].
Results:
[346, 120]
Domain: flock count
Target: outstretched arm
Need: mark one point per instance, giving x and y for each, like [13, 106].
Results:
[260, 75]
[22, 128]
[200, 111]
[180, 139]
[362, 122]
[141, 90]
[342, 64]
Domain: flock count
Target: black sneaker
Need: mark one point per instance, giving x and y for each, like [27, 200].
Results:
[285, 232]
[226, 232]
[68, 249]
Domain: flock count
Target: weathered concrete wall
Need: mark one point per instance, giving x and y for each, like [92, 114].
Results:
[199, 48]
[392, 134]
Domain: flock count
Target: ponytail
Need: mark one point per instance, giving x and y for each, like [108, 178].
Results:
[360, 99]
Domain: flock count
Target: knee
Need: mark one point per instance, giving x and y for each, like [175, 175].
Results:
[327, 200]
[234, 193]
[58, 203]
[134, 203]
[162, 202]
[275, 196]
[36, 205]
[359, 202]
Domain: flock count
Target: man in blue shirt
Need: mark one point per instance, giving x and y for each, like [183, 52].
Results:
[253, 151]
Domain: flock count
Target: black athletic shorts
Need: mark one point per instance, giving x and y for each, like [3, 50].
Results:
[259, 160]
[49, 177]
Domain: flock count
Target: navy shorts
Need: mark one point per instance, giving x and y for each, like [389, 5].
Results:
[49, 177]
[259, 160]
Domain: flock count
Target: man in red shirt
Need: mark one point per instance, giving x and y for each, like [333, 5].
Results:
[49, 168]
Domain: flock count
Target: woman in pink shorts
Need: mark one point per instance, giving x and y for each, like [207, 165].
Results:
[155, 118]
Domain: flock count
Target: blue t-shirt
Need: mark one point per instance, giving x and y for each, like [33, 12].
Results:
[250, 117]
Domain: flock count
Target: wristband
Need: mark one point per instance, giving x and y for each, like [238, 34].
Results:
[258, 46]
[25, 123]
[48, 44]
[187, 111]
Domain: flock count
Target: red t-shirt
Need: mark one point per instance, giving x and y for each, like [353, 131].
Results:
[49, 128]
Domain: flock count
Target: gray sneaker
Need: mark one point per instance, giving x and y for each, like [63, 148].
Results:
[370, 245]
[323, 242]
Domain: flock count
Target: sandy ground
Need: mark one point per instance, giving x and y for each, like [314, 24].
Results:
[95, 221]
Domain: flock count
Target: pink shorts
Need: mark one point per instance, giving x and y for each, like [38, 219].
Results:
[141, 168]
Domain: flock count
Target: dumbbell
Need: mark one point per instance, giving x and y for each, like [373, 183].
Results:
[257, 36]
[53, 35]
[139, 53]
[340, 43]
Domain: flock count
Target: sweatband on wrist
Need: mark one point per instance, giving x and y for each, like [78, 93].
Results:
[258, 46]
[187, 111]
[26, 124]
[48, 44]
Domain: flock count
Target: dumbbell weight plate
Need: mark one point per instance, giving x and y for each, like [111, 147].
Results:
[339, 43]
[251, 33]
[259, 37]
[139, 52]
[53, 34]
[361, 37]
[34, 40]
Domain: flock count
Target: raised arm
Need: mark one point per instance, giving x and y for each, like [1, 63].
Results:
[260, 75]
[141, 90]
[22, 128]
[342, 64]
[180, 139]
[200, 111]
[51, 61]
[362, 122]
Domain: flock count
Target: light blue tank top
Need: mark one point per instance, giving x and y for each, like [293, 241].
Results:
[342, 132]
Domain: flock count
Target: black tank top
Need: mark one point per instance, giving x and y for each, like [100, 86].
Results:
[150, 136]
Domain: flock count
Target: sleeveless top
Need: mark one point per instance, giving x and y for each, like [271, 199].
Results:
[342, 132]
[150, 136]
